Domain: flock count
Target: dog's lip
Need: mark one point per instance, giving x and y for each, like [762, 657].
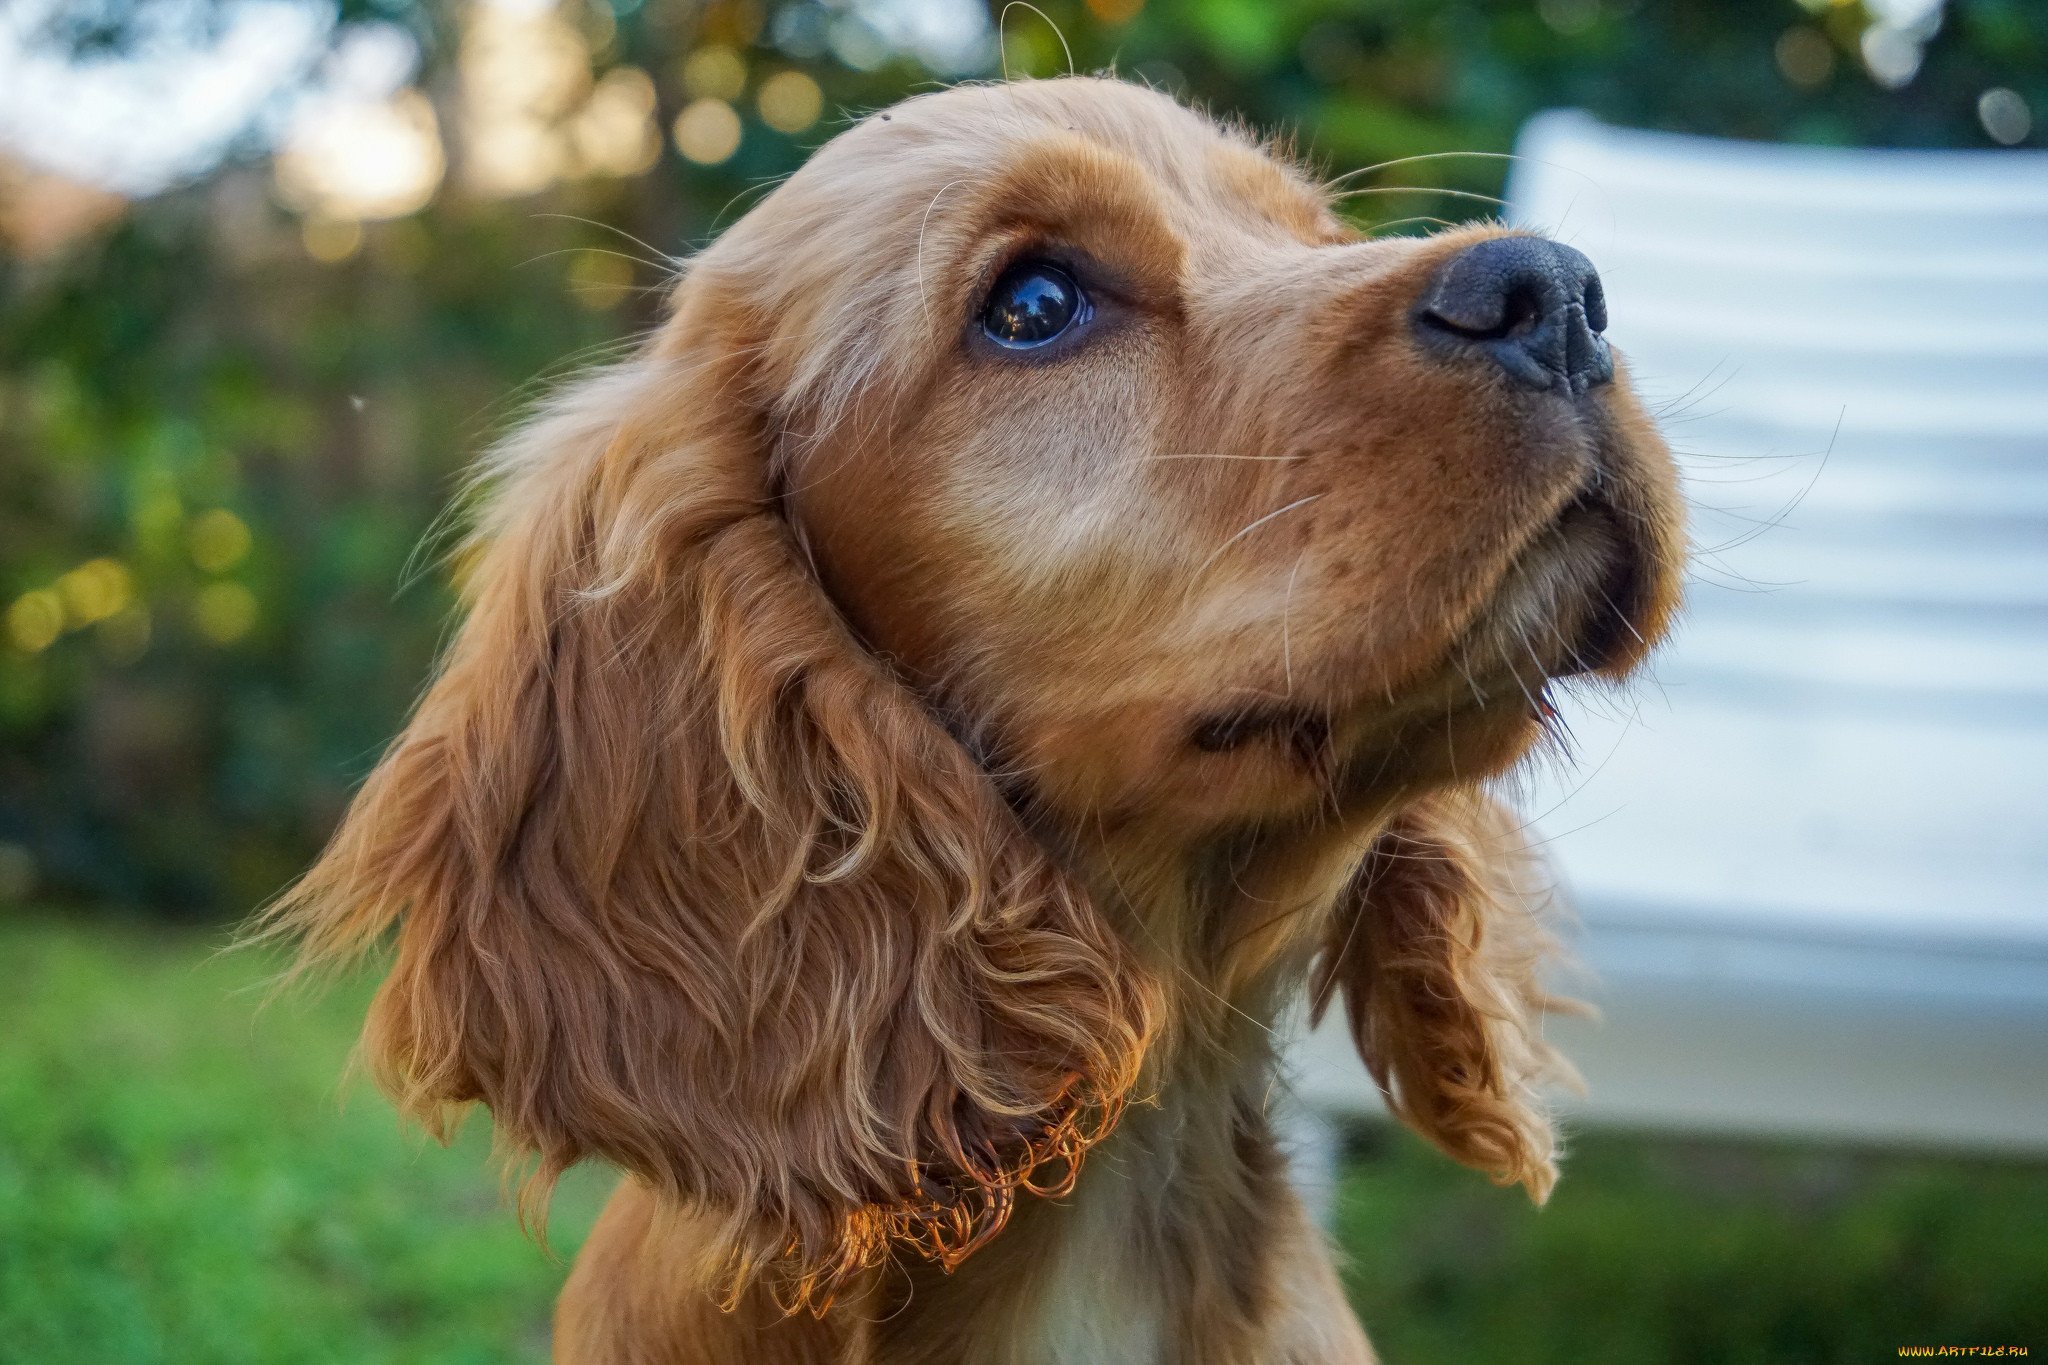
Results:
[1305, 728]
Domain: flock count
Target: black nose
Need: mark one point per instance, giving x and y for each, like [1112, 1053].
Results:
[1531, 305]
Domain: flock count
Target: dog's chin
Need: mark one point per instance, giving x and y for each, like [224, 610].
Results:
[1566, 607]
[1575, 602]
[1609, 577]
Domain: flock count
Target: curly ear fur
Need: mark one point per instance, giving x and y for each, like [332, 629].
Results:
[1439, 950]
[685, 880]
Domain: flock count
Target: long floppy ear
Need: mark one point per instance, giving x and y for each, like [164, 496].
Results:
[684, 879]
[1439, 951]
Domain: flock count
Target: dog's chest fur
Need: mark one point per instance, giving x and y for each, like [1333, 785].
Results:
[1105, 1297]
[1163, 1254]
[1182, 1244]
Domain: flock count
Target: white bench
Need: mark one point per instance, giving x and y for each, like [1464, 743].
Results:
[1811, 858]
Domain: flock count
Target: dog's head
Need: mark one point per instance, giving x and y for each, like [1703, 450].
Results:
[1113, 438]
[1042, 472]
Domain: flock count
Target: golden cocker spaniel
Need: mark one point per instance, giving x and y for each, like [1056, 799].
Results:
[1049, 591]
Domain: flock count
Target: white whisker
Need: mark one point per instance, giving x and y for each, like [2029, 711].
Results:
[1196, 576]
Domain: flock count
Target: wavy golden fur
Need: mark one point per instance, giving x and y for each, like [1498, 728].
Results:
[877, 772]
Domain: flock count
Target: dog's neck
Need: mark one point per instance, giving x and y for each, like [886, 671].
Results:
[1158, 1255]
[1228, 924]
[1169, 1247]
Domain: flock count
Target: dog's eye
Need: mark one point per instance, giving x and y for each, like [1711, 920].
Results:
[1032, 304]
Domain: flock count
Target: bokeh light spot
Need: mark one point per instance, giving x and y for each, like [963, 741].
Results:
[525, 72]
[615, 132]
[1805, 57]
[790, 101]
[35, 620]
[218, 540]
[2005, 116]
[1891, 55]
[600, 279]
[363, 160]
[331, 240]
[95, 590]
[224, 612]
[708, 132]
[715, 73]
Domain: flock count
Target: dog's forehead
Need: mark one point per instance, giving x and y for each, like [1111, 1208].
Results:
[858, 263]
[1133, 118]
[970, 131]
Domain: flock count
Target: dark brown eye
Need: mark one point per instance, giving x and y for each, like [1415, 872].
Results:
[1033, 303]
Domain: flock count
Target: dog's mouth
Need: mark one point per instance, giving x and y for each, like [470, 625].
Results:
[1304, 731]
[1577, 600]
[1584, 582]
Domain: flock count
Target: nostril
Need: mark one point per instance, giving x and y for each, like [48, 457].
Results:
[1532, 306]
[1596, 301]
[1524, 310]
[1489, 318]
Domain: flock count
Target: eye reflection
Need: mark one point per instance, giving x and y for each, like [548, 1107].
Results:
[1033, 303]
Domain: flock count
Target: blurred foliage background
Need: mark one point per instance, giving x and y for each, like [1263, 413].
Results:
[236, 388]
[252, 327]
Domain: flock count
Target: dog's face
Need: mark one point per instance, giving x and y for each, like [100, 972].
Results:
[1161, 480]
[1039, 462]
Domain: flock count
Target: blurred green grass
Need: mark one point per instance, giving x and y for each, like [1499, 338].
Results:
[183, 1178]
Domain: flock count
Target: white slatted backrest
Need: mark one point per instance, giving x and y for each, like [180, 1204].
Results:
[1850, 734]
